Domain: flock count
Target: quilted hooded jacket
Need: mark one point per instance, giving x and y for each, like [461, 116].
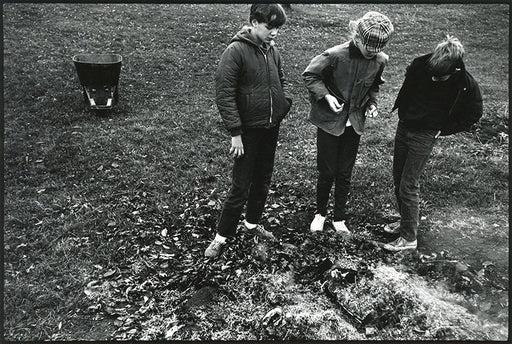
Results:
[251, 90]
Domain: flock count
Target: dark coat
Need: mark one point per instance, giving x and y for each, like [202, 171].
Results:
[251, 90]
[466, 108]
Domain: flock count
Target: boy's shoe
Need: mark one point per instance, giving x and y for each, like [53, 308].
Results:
[317, 224]
[214, 249]
[340, 227]
[401, 244]
[392, 228]
[260, 231]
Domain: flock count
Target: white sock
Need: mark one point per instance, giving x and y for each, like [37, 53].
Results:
[220, 238]
[249, 225]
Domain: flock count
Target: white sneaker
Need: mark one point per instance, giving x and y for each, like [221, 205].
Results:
[340, 227]
[401, 244]
[317, 224]
[214, 249]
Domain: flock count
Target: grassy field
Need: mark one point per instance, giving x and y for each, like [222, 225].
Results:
[107, 216]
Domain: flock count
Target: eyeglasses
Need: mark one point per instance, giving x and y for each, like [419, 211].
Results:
[445, 76]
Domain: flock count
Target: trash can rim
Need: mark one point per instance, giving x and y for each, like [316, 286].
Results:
[97, 58]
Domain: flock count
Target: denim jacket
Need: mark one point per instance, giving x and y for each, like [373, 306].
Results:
[343, 72]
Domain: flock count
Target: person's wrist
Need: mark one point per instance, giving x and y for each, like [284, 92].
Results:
[235, 131]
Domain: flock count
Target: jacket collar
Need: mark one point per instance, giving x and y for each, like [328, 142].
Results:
[354, 51]
[245, 35]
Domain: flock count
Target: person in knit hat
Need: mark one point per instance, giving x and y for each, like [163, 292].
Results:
[343, 83]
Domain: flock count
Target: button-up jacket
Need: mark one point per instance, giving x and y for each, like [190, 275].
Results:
[343, 72]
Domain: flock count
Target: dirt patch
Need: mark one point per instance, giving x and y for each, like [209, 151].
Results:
[475, 238]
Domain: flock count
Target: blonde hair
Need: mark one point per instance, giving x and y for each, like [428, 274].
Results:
[446, 56]
[352, 30]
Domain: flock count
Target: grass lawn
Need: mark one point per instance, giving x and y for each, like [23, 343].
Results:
[106, 216]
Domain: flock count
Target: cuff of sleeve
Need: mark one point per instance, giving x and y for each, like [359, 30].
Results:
[446, 132]
[371, 102]
[321, 96]
[235, 131]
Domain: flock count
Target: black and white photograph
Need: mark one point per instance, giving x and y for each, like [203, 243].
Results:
[260, 171]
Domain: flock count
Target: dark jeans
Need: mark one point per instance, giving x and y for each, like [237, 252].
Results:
[336, 156]
[251, 179]
[412, 150]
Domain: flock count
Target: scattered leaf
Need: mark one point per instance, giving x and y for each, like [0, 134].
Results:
[109, 273]
[370, 331]
[172, 331]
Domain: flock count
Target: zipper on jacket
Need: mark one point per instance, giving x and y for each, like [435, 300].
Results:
[455, 102]
[269, 88]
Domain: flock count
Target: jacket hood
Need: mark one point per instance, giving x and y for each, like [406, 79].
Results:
[245, 35]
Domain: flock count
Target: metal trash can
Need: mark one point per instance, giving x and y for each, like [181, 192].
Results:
[99, 77]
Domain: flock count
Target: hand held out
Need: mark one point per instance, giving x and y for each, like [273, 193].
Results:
[371, 111]
[334, 103]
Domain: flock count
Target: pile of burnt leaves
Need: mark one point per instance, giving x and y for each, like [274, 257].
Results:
[244, 254]
[388, 310]
[333, 276]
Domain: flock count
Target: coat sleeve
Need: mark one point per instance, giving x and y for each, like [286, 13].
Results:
[313, 75]
[226, 85]
[374, 89]
[403, 90]
[471, 111]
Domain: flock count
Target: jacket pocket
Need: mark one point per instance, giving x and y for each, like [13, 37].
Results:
[244, 101]
[281, 104]
[363, 89]
[323, 116]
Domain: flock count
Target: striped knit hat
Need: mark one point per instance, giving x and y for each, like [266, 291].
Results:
[375, 29]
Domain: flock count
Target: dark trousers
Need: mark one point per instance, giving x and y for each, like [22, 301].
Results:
[411, 152]
[336, 156]
[250, 180]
